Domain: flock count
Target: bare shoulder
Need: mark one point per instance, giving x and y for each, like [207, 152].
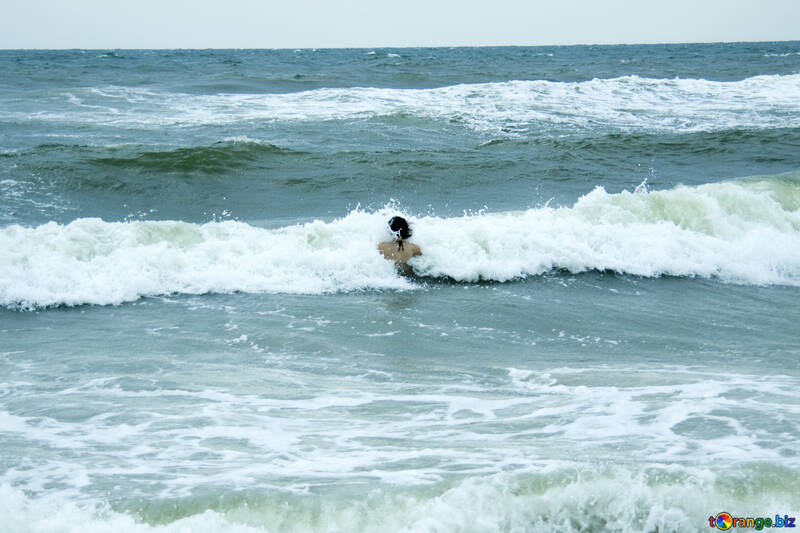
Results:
[387, 249]
[391, 250]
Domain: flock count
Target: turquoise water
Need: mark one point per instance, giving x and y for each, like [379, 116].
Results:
[197, 333]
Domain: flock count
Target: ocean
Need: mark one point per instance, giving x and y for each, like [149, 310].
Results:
[197, 332]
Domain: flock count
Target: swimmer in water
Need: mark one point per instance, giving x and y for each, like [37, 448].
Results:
[398, 250]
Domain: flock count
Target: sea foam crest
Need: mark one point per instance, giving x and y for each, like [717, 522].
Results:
[627, 103]
[98, 262]
[743, 232]
[569, 501]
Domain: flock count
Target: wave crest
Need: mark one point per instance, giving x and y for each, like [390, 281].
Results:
[627, 103]
[215, 159]
[743, 232]
[568, 500]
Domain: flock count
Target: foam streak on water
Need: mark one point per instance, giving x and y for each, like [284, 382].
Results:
[517, 448]
[628, 103]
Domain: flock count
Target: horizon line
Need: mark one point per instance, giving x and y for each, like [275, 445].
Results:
[653, 43]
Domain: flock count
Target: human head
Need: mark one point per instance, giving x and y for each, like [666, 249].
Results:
[399, 227]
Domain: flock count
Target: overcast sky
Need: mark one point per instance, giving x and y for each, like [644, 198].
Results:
[361, 23]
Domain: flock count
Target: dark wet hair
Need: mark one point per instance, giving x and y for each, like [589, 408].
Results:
[399, 227]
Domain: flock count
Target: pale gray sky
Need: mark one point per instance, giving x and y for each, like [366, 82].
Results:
[361, 23]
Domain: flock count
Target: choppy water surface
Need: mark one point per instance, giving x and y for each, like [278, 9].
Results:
[197, 333]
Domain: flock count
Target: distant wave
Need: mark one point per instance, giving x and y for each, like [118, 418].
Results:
[216, 158]
[628, 103]
[741, 231]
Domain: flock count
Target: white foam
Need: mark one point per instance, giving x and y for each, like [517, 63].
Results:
[742, 232]
[611, 499]
[628, 103]
[736, 231]
[92, 261]
[542, 424]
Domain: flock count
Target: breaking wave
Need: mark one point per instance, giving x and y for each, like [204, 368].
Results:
[627, 103]
[614, 500]
[745, 231]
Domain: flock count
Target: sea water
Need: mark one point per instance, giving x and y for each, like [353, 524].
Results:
[198, 334]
